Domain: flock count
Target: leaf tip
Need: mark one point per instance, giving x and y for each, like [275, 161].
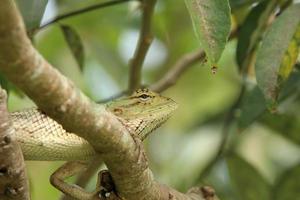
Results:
[272, 106]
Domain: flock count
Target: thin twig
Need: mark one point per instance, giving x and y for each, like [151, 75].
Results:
[123, 155]
[82, 10]
[145, 39]
[180, 66]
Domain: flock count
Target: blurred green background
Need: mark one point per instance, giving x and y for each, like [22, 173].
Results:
[180, 149]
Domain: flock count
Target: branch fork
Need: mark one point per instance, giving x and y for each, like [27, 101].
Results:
[66, 104]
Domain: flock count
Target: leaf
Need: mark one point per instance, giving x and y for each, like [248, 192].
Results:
[75, 44]
[32, 12]
[271, 55]
[287, 187]
[290, 56]
[253, 103]
[252, 30]
[247, 181]
[211, 21]
[286, 125]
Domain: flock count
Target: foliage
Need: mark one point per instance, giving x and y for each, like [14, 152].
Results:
[277, 55]
[211, 20]
[32, 12]
[74, 42]
[249, 184]
[259, 60]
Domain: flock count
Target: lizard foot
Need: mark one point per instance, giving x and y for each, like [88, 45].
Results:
[105, 189]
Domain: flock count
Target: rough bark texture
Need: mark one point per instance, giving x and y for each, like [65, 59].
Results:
[13, 180]
[61, 100]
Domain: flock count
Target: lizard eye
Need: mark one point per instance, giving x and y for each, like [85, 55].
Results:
[144, 97]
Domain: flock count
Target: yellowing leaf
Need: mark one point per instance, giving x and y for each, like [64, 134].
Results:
[276, 51]
[290, 56]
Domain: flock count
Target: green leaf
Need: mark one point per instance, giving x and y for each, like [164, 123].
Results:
[271, 55]
[251, 32]
[286, 125]
[287, 187]
[253, 103]
[32, 12]
[75, 44]
[247, 181]
[211, 20]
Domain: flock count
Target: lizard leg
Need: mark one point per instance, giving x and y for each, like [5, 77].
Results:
[67, 170]
[105, 188]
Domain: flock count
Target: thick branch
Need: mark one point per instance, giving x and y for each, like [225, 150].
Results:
[61, 100]
[177, 70]
[13, 179]
[143, 45]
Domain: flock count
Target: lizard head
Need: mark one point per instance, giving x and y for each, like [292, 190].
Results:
[143, 111]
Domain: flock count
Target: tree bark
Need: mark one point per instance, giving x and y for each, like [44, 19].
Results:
[62, 101]
[13, 179]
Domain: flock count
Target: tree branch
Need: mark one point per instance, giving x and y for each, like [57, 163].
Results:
[62, 101]
[182, 64]
[145, 39]
[13, 181]
[81, 11]
[177, 70]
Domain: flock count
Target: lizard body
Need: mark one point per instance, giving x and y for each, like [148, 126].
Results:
[42, 138]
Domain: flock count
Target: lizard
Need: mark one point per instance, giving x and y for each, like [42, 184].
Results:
[42, 138]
